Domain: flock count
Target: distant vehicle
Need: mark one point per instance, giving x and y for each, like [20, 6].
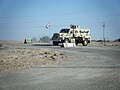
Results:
[74, 32]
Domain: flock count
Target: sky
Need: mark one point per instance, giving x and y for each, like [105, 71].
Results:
[20, 19]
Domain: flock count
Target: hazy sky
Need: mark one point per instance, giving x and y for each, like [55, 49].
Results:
[20, 19]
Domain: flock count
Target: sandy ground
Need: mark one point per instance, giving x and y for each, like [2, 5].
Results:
[106, 43]
[93, 67]
[15, 57]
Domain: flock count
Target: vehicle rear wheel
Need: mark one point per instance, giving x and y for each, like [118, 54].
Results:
[76, 42]
[55, 43]
[85, 42]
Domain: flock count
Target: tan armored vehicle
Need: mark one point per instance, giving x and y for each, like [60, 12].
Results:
[74, 32]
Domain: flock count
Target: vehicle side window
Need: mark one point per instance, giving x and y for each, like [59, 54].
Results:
[76, 31]
[81, 31]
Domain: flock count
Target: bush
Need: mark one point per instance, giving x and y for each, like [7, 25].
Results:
[117, 40]
[1, 45]
[45, 39]
[99, 41]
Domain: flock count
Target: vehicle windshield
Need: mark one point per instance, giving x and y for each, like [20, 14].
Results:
[64, 30]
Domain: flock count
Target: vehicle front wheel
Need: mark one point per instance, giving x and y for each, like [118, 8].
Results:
[55, 43]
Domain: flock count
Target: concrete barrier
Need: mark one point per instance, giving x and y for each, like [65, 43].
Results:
[68, 45]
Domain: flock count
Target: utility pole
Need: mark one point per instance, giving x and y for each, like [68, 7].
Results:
[104, 33]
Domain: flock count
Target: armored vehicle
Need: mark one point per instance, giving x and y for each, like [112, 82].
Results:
[74, 32]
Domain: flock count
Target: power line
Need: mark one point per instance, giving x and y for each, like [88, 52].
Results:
[43, 21]
[66, 13]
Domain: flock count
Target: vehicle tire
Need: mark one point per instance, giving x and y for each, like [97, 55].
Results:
[55, 43]
[76, 42]
[85, 42]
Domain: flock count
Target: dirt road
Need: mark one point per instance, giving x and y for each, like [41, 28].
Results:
[89, 68]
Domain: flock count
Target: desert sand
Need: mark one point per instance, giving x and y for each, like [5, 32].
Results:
[14, 56]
